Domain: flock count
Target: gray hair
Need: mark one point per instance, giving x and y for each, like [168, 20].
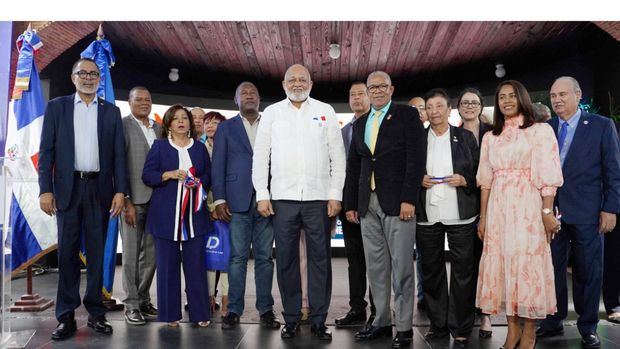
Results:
[379, 73]
[574, 81]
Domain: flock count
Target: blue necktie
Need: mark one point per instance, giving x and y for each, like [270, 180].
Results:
[562, 136]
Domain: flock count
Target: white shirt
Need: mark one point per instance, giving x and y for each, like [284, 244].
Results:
[250, 129]
[185, 163]
[306, 151]
[85, 135]
[441, 199]
[148, 131]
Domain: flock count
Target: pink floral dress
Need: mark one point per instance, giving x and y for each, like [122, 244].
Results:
[516, 270]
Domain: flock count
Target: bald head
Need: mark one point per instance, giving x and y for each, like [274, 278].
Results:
[420, 105]
[297, 84]
[297, 69]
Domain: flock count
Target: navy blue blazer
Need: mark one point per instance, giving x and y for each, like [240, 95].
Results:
[232, 165]
[591, 171]
[160, 219]
[57, 152]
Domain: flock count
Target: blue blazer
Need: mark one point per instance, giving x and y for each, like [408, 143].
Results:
[232, 165]
[57, 152]
[591, 171]
[160, 219]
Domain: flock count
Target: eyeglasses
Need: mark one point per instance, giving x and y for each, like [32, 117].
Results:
[378, 88]
[472, 104]
[91, 74]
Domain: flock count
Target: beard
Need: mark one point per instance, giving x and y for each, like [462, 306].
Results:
[298, 97]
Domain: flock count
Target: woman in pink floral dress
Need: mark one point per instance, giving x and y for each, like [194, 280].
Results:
[519, 173]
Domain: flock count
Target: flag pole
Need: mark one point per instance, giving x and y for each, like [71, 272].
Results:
[30, 302]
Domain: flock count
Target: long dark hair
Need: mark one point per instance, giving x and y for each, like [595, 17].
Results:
[524, 107]
[169, 114]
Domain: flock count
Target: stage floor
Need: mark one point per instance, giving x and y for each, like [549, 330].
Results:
[250, 334]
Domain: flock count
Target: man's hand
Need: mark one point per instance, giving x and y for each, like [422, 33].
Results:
[607, 222]
[118, 202]
[264, 208]
[352, 217]
[455, 180]
[129, 213]
[333, 208]
[223, 212]
[48, 203]
[407, 211]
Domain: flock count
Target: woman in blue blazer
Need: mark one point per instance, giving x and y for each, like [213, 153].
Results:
[178, 169]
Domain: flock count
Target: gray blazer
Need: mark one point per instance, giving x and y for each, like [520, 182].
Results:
[136, 148]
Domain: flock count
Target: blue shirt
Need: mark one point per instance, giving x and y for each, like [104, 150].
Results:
[371, 118]
[572, 122]
[85, 135]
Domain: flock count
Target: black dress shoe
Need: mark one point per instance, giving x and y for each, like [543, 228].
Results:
[485, 334]
[435, 333]
[134, 317]
[289, 331]
[401, 340]
[269, 320]
[542, 333]
[321, 332]
[371, 332]
[461, 342]
[353, 317]
[590, 341]
[371, 318]
[231, 320]
[408, 334]
[149, 310]
[99, 324]
[64, 330]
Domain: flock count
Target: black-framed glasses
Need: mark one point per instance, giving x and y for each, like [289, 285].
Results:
[82, 74]
[378, 88]
[472, 104]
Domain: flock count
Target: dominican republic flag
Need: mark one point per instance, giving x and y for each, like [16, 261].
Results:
[100, 51]
[32, 233]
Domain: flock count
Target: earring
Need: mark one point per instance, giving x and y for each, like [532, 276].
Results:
[169, 134]
[189, 134]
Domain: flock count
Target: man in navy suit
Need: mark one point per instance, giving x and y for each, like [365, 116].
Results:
[588, 202]
[82, 180]
[235, 201]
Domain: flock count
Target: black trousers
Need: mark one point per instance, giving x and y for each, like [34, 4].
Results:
[85, 215]
[611, 270]
[354, 249]
[451, 310]
[289, 219]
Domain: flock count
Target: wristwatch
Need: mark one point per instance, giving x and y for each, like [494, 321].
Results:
[547, 211]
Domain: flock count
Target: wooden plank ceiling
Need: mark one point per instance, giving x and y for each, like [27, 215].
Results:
[265, 49]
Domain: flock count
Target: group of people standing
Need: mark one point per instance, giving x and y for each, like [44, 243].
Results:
[511, 197]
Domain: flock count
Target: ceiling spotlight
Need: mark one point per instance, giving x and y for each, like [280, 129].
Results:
[500, 72]
[174, 74]
[334, 51]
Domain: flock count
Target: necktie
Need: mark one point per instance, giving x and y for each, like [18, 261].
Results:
[374, 131]
[562, 136]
